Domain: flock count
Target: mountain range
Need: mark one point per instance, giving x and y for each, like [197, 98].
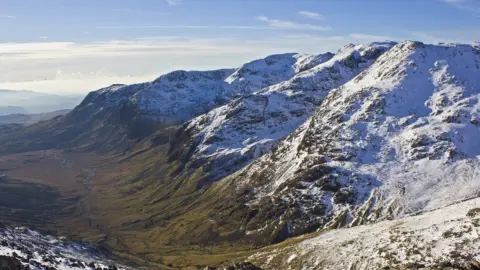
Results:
[267, 163]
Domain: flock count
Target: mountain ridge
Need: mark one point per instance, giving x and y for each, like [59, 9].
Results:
[349, 128]
[238, 132]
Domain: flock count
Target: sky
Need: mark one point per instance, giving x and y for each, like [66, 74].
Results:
[72, 47]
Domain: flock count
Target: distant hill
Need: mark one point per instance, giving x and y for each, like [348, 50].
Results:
[4, 110]
[28, 119]
[34, 102]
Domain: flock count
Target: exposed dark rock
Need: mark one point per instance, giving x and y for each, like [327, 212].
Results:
[236, 266]
[12, 264]
[344, 195]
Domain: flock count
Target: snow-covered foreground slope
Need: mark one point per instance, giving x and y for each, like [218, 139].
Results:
[233, 135]
[400, 137]
[40, 252]
[443, 239]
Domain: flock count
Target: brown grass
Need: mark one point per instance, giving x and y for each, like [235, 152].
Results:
[134, 207]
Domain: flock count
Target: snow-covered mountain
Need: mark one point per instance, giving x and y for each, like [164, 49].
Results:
[22, 248]
[181, 95]
[287, 145]
[113, 117]
[400, 137]
[229, 137]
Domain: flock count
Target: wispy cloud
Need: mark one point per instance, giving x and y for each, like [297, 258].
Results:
[445, 36]
[472, 6]
[7, 16]
[43, 37]
[453, 1]
[124, 27]
[271, 24]
[112, 48]
[311, 15]
[338, 40]
[174, 2]
[281, 24]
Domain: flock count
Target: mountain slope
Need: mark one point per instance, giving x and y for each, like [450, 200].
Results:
[229, 137]
[181, 95]
[398, 138]
[442, 239]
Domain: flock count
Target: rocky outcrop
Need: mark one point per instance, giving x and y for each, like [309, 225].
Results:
[12, 263]
[236, 266]
[27, 249]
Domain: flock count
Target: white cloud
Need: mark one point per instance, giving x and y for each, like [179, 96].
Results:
[280, 24]
[161, 46]
[174, 2]
[272, 24]
[43, 37]
[472, 6]
[6, 16]
[74, 84]
[311, 15]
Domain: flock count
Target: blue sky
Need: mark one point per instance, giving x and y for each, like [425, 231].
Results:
[78, 46]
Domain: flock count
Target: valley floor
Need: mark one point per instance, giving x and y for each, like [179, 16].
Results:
[448, 237]
[102, 200]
